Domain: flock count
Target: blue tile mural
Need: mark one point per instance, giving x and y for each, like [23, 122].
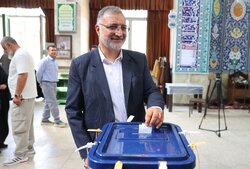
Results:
[236, 36]
[193, 34]
[217, 36]
[229, 51]
[213, 36]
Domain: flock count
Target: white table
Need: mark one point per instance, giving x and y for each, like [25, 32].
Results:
[182, 88]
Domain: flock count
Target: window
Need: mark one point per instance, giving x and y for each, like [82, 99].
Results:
[136, 20]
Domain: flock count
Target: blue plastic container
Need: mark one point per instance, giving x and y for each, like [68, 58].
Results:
[122, 142]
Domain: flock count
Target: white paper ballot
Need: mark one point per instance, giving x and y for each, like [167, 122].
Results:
[144, 129]
[130, 118]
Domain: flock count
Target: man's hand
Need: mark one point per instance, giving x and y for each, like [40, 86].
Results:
[154, 117]
[86, 163]
[17, 100]
[3, 86]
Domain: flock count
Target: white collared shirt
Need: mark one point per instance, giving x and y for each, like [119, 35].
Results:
[113, 71]
[47, 70]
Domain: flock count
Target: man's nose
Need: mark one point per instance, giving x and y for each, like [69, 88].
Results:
[119, 31]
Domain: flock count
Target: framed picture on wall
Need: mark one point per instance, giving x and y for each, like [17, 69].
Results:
[64, 46]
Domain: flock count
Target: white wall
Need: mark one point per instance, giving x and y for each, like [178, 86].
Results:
[25, 26]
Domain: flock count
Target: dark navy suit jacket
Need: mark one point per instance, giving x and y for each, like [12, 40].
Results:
[89, 104]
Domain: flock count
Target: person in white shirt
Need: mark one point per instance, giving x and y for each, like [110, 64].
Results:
[22, 86]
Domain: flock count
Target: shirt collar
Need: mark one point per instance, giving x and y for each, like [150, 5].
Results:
[105, 60]
[51, 58]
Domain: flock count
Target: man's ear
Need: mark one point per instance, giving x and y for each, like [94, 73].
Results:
[8, 44]
[97, 29]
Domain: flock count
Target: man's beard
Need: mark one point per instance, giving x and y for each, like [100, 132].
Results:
[109, 44]
[10, 55]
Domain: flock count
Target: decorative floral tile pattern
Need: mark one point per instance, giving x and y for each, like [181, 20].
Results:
[216, 40]
[236, 41]
[229, 43]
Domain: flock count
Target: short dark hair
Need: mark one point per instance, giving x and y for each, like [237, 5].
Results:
[51, 46]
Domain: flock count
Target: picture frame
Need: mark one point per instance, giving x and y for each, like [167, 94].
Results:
[66, 16]
[64, 46]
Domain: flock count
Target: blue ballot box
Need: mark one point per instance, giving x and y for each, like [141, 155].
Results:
[138, 150]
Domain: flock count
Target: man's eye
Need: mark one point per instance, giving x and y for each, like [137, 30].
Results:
[124, 28]
[113, 27]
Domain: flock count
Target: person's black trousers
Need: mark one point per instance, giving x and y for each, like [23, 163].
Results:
[4, 127]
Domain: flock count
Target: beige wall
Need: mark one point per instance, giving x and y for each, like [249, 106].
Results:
[80, 38]
[200, 79]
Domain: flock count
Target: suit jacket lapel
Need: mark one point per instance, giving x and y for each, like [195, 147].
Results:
[100, 75]
[102, 80]
[127, 75]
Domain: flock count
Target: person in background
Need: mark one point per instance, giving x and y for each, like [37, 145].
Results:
[109, 84]
[5, 63]
[4, 108]
[40, 96]
[47, 77]
[93, 47]
[22, 86]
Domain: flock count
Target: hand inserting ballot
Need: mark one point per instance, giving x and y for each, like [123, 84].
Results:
[154, 117]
